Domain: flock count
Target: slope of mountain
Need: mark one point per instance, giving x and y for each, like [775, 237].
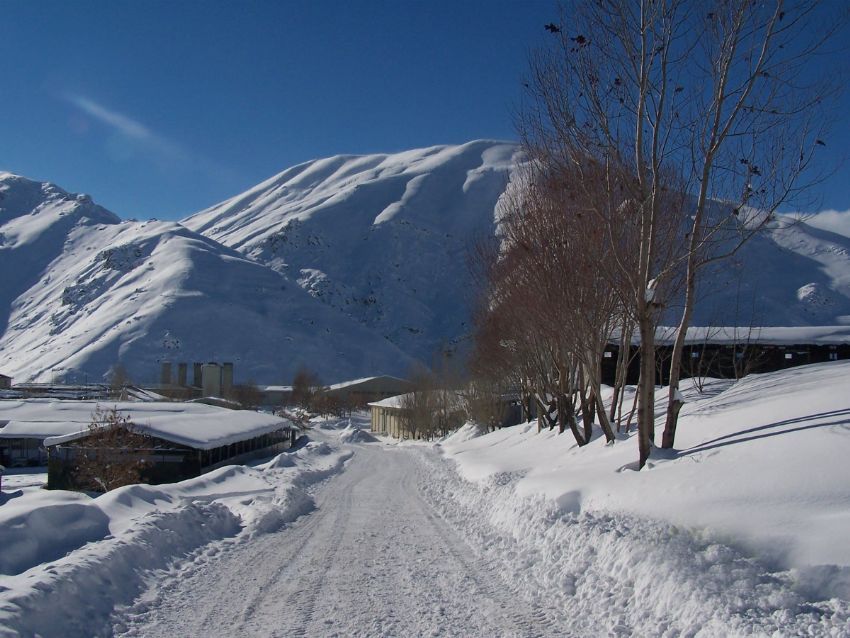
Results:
[383, 239]
[354, 265]
[83, 290]
[792, 274]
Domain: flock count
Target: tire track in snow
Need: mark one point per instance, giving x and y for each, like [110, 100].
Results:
[303, 601]
[533, 623]
[373, 559]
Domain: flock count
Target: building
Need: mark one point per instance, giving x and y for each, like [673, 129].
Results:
[387, 417]
[185, 440]
[392, 417]
[734, 352]
[5, 382]
[356, 393]
[189, 438]
[211, 379]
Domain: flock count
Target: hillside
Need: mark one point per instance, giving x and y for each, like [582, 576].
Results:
[382, 238]
[90, 290]
[354, 265]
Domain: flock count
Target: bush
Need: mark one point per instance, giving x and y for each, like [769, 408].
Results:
[113, 454]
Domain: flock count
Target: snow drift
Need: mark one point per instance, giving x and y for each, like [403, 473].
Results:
[70, 559]
[741, 531]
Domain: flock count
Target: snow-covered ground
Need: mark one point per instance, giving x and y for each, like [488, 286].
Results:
[68, 559]
[742, 531]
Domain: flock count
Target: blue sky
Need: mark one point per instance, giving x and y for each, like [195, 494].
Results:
[159, 109]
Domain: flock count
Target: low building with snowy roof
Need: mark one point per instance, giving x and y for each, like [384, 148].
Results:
[186, 439]
[5, 382]
[734, 352]
[394, 416]
[352, 393]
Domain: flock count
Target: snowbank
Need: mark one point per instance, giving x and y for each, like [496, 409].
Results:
[466, 432]
[354, 434]
[70, 559]
[742, 530]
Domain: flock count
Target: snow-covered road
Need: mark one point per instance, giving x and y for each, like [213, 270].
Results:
[374, 559]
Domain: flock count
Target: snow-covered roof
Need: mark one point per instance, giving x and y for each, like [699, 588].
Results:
[788, 336]
[192, 424]
[390, 402]
[355, 382]
[398, 400]
[274, 388]
[342, 385]
[346, 384]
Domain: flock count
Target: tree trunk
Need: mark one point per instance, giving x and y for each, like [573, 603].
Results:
[604, 423]
[586, 412]
[646, 389]
[674, 398]
[622, 371]
[525, 404]
[561, 402]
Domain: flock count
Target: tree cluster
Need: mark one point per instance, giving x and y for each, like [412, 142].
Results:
[660, 136]
[305, 386]
[434, 407]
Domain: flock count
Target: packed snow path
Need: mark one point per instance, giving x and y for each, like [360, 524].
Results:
[374, 559]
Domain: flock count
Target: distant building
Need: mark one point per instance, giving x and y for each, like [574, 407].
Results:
[210, 379]
[356, 393]
[186, 440]
[391, 416]
[734, 352]
[5, 382]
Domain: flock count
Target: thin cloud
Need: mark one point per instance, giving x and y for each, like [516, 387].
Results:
[135, 131]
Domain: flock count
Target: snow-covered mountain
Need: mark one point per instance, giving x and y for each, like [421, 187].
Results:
[383, 239]
[792, 274]
[354, 265]
[82, 290]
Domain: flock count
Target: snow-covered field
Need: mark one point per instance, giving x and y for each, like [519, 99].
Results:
[742, 531]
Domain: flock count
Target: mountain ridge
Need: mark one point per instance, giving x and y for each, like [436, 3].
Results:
[138, 293]
[354, 265]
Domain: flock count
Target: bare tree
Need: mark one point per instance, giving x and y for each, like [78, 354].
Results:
[752, 130]
[113, 453]
[689, 123]
[305, 385]
[247, 394]
[418, 407]
[484, 402]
